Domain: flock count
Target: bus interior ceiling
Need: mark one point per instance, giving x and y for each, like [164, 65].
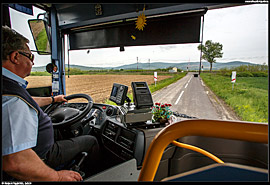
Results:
[93, 25]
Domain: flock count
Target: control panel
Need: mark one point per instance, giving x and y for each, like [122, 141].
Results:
[119, 93]
[125, 143]
[141, 95]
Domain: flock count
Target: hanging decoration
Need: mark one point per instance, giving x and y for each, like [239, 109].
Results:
[98, 9]
[141, 21]
[133, 37]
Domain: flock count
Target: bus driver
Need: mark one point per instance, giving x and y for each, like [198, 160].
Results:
[29, 152]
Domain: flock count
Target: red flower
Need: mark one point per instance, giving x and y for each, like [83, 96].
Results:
[157, 104]
[162, 106]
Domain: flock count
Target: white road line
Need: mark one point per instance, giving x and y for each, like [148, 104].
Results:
[202, 83]
[179, 98]
[189, 79]
[188, 82]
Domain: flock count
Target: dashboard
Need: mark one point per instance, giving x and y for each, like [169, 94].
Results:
[103, 121]
[97, 115]
[125, 143]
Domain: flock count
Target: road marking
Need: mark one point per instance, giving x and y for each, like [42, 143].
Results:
[179, 98]
[188, 82]
[202, 83]
[189, 79]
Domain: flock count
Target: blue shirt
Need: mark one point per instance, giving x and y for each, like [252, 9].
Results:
[19, 121]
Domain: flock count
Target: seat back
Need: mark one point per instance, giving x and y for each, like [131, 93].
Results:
[222, 172]
[230, 151]
[236, 130]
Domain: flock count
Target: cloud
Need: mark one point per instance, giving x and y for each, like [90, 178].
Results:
[166, 48]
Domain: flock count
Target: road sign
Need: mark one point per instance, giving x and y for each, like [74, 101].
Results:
[233, 76]
[155, 77]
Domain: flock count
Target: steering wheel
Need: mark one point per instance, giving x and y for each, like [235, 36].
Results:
[66, 116]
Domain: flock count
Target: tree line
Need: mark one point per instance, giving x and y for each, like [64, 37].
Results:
[247, 71]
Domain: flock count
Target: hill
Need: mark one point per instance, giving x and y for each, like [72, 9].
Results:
[183, 66]
[160, 65]
[83, 68]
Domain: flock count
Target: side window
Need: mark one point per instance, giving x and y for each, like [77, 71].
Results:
[39, 78]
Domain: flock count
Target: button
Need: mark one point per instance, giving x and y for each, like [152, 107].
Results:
[104, 107]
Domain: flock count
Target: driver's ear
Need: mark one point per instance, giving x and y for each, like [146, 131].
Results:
[14, 57]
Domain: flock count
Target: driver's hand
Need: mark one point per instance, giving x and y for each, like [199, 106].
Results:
[60, 98]
[69, 175]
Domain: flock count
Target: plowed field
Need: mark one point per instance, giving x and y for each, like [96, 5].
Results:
[97, 86]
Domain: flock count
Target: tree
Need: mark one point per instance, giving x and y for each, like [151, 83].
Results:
[211, 50]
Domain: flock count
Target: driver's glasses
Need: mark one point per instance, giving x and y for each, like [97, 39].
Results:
[28, 55]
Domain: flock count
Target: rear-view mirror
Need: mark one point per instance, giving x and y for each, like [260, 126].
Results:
[40, 35]
[51, 68]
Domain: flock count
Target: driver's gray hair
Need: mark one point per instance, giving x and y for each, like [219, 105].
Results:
[12, 41]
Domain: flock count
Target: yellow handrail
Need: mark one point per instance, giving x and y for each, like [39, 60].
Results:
[197, 149]
[239, 130]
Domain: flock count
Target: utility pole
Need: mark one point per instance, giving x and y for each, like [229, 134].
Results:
[137, 64]
[188, 64]
[149, 63]
[201, 46]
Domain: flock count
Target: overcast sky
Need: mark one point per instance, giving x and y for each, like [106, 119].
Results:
[242, 30]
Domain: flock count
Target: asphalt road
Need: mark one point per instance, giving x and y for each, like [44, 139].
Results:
[188, 96]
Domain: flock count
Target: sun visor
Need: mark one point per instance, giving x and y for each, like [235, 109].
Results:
[172, 29]
[24, 8]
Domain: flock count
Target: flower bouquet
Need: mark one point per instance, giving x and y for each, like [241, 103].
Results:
[161, 112]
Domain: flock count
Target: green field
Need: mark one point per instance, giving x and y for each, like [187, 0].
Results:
[249, 98]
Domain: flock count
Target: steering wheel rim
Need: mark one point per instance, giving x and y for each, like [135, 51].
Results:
[81, 114]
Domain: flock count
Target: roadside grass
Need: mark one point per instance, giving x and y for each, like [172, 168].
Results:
[163, 83]
[159, 85]
[42, 40]
[40, 73]
[249, 97]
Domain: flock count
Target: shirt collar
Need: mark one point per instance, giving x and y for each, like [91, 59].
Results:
[15, 77]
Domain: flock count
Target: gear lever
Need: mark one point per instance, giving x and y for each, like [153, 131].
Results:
[77, 167]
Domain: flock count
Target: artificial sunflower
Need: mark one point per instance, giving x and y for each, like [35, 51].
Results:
[141, 21]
